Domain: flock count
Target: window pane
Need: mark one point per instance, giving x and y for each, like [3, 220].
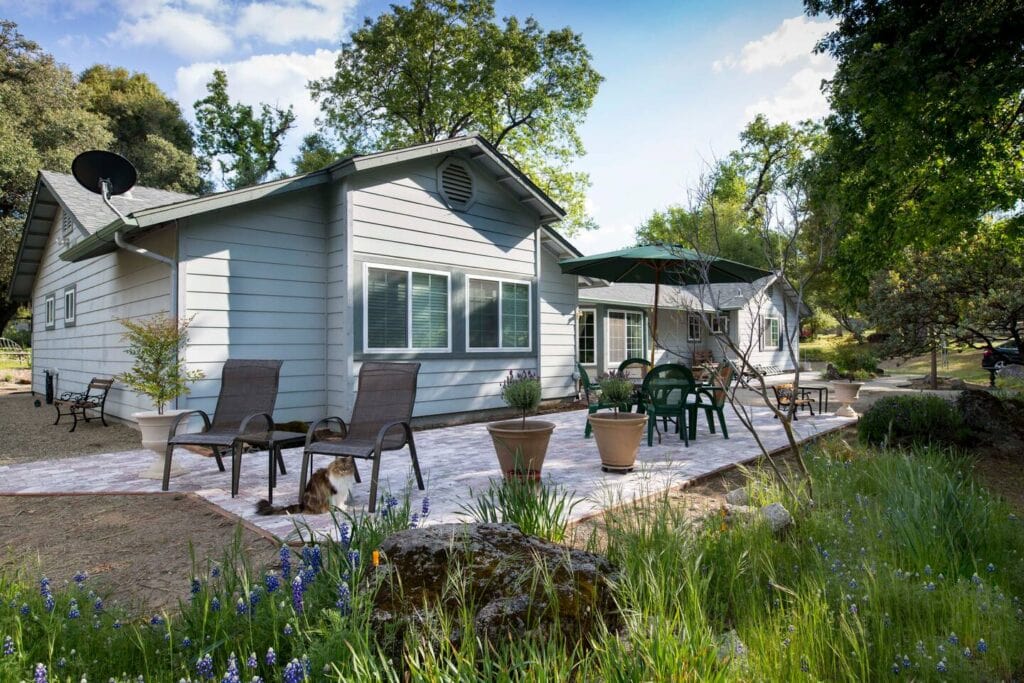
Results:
[515, 316]
[585, 333]
[616, 339]
[386, 309]
[483, 314]
[635, 335]
[429, 311]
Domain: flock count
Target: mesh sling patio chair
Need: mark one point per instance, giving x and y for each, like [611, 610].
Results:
[380, 422]
[716, 396]
[665, 390]
[248, 392]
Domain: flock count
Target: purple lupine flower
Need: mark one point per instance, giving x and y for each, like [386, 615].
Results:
[156, 620]
[80, 577]
[853, 609]
[967, 653]
[271, 658]
[293, 673]
[25, 609]
[906, 662]
[344, 535]
[425, 507]
[215, 604]
[981, 647]
[195, 587]
[414, 521]
[241, 607]
[953, 640]
[286, 562]
[990, 568]
[272, 582]
[353, 558]
[186, 642]
[48, 602]
[288, 630]
[317, 557]
[117, 624]
[344, 599]
[307, 665]
[895, 668]
[255, 595]
[215, 571]
[40, 674]
[204, 667]
[941, 666]
[9, 646]
[308, 575]
[61, 663]
[297, 594]
[73, 612]
[44, 587]
[232, 674]
[251, 662]
[97, 605]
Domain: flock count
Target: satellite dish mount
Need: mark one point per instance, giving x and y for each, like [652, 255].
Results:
[105, 173]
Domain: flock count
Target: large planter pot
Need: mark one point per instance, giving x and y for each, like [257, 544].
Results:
[155, 428]
[846, 393]
[618, 438]
[521, 448]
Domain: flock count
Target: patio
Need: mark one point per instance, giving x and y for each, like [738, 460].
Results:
[454, 461]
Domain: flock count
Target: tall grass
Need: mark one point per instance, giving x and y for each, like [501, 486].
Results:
[903, 567]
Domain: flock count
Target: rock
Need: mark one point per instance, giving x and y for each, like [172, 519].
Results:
[737, 497]
[832, 374]
[777, 516]
[739, 511]
[996, 425]
[730, 647]
[493, 565]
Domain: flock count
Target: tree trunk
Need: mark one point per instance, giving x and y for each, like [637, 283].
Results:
[934, 384]
[7, 311]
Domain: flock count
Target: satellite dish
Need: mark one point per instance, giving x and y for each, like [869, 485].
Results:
[104, 173]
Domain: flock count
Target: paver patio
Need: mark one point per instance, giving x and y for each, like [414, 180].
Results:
[454, 461]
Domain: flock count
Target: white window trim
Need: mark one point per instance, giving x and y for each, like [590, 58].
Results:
[593, 312]
[409, 348]
[74, 305]
[700, 324]
[50, 311]
[767, 345]
[529, 301]
[717, 326]
[608, 337]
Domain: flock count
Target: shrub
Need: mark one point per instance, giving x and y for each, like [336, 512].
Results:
[616, 387]
[536, 508]
[851, 357]
[907, 420]
[158, 371]
[521, 391]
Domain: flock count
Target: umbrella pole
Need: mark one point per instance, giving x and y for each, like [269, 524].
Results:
[654, 323]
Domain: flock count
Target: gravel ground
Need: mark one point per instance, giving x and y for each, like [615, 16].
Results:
[29, 433]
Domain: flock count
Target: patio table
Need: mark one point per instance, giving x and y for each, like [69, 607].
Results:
[274, 442]
[805, 391]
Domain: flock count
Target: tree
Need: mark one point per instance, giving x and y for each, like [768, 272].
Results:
[43, 124]
[242, 144]
[927, 123]
[442, 68]
[315, 152]
[147, 126]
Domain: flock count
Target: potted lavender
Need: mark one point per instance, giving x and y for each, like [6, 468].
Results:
[521, 444]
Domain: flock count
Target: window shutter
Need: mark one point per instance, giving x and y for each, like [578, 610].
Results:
[429, 311]
[386, 309]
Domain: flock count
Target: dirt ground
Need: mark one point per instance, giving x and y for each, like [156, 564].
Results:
[134, 547]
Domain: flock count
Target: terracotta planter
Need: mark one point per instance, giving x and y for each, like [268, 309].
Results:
[618, 438]
[846, 393]
[521, 450]
[155, 428]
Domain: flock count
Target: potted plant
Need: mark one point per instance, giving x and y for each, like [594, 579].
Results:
[521, 444]
[159, 374]
[617, 434]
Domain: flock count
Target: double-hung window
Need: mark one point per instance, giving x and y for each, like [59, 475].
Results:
[772, 334]
[498, 315]
[720, 324]
[406, 310]
[586, 335]
[625, 335]
[69, 306]
[50, 304]
[693, 331]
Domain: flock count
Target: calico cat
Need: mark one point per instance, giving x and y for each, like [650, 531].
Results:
[328, 488]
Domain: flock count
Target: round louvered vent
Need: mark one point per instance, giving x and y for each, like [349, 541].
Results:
[456, 184]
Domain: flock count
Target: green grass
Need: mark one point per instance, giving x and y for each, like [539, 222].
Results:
[902, 564]
[964, 364]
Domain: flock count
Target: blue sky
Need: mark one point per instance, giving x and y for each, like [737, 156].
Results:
[681, 77]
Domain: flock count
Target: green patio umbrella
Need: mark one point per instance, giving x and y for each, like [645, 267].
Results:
[655, 263]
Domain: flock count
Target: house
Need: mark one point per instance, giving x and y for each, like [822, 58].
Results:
[614, 322]
[440, 253]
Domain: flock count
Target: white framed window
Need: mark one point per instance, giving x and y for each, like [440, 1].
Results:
[405, 309]
[720, 324]
[624, 335]
[69, 306]
[498, 315]
[50, 304]
[586, 336]
[772, 335]
[693, 327]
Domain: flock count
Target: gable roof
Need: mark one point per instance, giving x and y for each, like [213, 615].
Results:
[54, 191]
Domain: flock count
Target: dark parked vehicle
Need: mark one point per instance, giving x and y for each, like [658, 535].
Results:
[1001, 356]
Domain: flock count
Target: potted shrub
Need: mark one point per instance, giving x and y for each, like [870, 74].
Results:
[159, 374]
[521, 444]
[617, 434]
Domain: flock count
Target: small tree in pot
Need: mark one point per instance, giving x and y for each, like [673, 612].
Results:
[521, 444]
[617, 433]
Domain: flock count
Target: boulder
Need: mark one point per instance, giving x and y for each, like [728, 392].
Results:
[737, 497]
[494, 567]
[777, 516]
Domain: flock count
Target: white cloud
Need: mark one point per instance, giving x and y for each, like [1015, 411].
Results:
[800, 98]
[185, 33]
[283, 23]
[793, 40]
[605, 238]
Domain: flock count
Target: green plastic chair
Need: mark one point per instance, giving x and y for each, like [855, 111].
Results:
[594, 400]
[635, 368]
[716, 396]
[665, 391]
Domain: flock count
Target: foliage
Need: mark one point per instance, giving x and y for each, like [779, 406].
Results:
[243, 144]
[851, 357]
[158, 371]
[147, 126]
[43, 124]
[911, 420]
[436, 69]
[927, 123]
[521, 391]
[820, 321]
[315, 152]
[537, 508]
[616, 388]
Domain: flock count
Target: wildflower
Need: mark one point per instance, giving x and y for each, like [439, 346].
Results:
[919, 647]
[44, 586]
[344, 535]
[344, 598]
[41, 674]
[251, 661]
[982, 646]
[24, 609]
[215, 604]
[48, 603]
[232, 674]
[156, 620]
[953, 640]
[990, 568]
[195, 587]
[930, 586]
[293, 673]
[425, 508]
[353, 557]
[73, 612]
[941, 666]
[272, 582]
[97, 605]
[288, 630]
[286, 562]
[271, 658]
[307, 665]
[804, 665]
[9, 646]
[906, 662]
[895, 667]
[61, 663]
[308, 574]
[785, 642]
[204, 667]
[215, 571]
[975, 579]
[297, 594]
[853, 609]
[927, 570]
[414, 521]
[186, 642]
[80, 577]
[241, 607]
[967, 653]
[117, 624]
[255, 595]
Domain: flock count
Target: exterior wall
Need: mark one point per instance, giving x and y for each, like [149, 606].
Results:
[771, 304]
[603, 363]
[557, 328]
[339, 305]
[398, 218]
[110, 287]
[254, 285]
